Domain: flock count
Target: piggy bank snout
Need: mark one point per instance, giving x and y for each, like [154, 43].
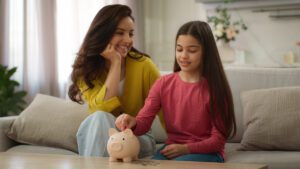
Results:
[116, 146]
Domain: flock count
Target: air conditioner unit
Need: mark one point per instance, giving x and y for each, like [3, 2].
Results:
[251, 4]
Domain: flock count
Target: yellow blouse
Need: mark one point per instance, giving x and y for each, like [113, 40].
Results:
[139, 76]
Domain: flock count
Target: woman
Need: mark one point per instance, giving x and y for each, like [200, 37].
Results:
[112, 77]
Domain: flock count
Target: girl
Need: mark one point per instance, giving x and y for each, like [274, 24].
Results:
[196, 101]
[111, 76]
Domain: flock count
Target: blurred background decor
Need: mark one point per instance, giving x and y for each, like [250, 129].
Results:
[225, 30]
[41, 37]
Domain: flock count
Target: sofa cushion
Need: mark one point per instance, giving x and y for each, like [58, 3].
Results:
[49, 121]
[242, 78]
[271, 118]
[5, 123]
[40, 150]
[273, 159]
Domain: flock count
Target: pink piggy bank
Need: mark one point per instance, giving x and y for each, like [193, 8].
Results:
[122, 145]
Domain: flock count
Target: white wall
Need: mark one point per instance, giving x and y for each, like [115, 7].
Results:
[162, 20]
[265, 41]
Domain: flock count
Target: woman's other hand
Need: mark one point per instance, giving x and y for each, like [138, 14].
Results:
[125, 121]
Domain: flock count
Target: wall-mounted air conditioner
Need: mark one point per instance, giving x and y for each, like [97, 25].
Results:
[251, 4]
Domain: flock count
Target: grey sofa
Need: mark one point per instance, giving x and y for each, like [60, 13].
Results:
[241, 79]
[245, 79]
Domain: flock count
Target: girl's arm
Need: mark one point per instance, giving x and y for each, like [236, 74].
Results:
[151, 107]
[153, 75]
[215, 143]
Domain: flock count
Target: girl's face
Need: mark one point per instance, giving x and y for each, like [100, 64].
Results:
[188, 53]
[122, 39]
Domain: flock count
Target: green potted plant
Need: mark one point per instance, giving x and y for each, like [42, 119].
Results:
[11, 101]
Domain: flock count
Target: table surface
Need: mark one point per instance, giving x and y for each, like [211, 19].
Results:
[50, 161]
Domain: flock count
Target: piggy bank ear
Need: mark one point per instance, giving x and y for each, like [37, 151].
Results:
[128, 132]
[112, 131]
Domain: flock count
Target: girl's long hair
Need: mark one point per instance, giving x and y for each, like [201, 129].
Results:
[89, 65]
[221, 102]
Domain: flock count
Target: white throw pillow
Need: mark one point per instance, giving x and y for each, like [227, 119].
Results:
[49, 121]
[271, 119]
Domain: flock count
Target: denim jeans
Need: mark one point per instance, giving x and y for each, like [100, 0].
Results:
[210, 157]
[92, 136]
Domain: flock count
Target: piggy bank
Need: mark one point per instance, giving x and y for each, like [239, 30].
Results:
[122, 145]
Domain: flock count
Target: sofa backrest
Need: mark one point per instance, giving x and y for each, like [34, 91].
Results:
[243, 79]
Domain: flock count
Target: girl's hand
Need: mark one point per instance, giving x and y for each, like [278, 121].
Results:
[125, 121]
[174, 150]
[111, 54]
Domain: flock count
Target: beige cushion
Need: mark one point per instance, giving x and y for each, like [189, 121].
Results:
[49, 121]
[271, 118]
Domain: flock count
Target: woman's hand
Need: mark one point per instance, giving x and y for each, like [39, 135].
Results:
[174, 150]
[111, 54]
[125, 121]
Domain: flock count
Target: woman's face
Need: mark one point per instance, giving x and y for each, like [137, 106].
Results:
[188, 53]
[122, 39]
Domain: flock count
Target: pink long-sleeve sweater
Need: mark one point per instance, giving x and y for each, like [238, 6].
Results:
[185, 108]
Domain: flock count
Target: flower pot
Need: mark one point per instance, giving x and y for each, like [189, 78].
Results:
[227, 53]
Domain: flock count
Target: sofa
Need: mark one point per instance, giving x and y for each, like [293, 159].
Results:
[267, 110]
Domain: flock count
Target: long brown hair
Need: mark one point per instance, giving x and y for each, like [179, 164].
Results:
[221, 102]
[88, 65]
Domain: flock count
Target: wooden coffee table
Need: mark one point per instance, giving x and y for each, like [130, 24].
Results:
[48, 161]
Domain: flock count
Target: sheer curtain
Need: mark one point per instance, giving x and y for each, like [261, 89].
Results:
[41, 38]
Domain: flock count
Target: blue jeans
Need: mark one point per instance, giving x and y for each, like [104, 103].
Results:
[92, 136]
[211, 157]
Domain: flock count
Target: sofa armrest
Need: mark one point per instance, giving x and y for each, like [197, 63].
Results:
[5, 142]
